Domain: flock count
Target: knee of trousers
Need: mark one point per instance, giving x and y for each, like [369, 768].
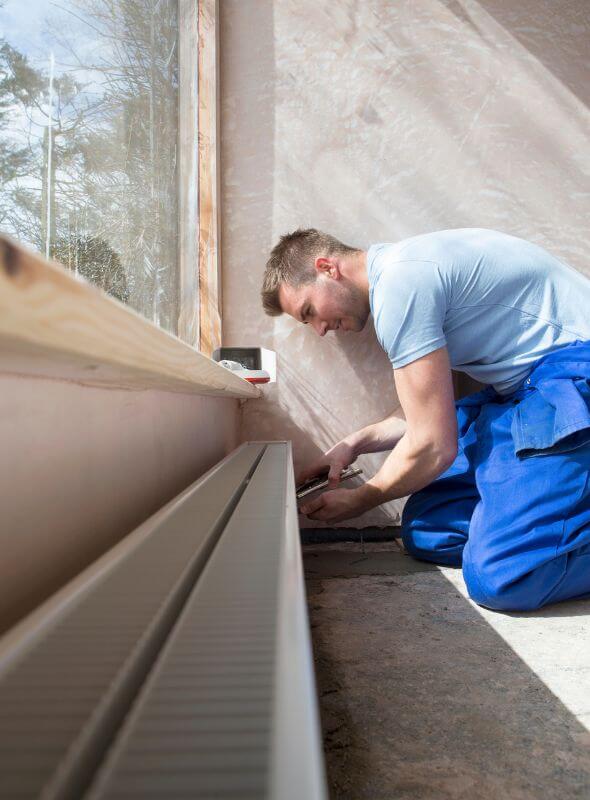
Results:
[411, 535]
[487, 588]
[412, 545]
[441, 547]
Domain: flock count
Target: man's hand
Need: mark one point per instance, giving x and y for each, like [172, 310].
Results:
[335, 506]
[374, 438]
[335, 460]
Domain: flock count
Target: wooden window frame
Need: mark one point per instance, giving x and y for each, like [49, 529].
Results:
[199, 320]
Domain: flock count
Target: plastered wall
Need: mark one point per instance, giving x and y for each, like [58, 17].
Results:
[376, 121]
[81, 467]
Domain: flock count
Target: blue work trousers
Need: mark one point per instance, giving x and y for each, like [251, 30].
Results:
[514, 507]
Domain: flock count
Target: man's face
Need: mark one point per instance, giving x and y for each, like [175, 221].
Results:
[327, 304]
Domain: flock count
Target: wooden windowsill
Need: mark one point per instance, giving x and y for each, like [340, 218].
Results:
[53, 324]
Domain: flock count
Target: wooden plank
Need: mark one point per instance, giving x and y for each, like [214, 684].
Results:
[188, 167]
[66, 327]
[209, 239]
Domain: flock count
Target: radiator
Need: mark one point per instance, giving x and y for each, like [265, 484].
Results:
[180, 666]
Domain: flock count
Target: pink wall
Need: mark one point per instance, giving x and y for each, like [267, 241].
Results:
[81, 467]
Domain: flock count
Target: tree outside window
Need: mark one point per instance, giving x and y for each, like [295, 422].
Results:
[88, 142]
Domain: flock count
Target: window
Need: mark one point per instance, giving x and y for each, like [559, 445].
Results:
[99, 162]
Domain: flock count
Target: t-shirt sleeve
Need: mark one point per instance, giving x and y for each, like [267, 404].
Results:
[409, 306]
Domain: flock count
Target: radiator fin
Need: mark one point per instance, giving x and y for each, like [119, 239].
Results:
[61, 703]
[202, 726]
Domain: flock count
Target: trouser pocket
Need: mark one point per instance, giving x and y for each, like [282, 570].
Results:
[553, 417]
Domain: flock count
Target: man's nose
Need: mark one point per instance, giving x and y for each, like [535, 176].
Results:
[321, 328]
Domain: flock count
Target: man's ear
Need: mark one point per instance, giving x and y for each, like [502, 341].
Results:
[329, 266]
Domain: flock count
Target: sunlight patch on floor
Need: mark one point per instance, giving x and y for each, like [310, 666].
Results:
[554, 642]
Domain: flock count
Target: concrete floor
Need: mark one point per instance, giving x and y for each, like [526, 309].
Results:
[426, 695]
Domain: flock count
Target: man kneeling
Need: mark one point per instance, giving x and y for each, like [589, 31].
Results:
[498, 481]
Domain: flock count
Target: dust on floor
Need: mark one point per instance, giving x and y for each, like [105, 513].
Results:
[424, 695]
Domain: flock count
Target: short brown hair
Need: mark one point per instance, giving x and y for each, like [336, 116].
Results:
[292, 261]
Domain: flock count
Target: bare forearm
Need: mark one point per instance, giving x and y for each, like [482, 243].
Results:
[411, 465]
[379, 436]
[427, 448]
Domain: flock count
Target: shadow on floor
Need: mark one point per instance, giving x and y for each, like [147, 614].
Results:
[352, 563]
[421, 698]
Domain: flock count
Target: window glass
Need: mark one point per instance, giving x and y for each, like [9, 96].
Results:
[88, 142]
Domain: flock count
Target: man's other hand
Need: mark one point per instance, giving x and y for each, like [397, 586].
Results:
[335, 506]
[334, 460]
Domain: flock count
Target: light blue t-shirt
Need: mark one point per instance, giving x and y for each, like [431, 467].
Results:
[497, 302]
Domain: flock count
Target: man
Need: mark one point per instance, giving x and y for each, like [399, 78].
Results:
[498, 481]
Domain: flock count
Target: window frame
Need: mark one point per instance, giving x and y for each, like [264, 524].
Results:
[188, 174]
[199, 319]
